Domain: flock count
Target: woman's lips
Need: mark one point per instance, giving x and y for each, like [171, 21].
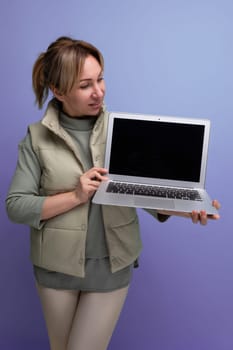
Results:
[95, 105]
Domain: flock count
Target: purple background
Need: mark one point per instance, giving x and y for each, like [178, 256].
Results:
[162, 57]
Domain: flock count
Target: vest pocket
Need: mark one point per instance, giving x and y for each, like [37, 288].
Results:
[125, 243]
[62, 250]
[116, 216]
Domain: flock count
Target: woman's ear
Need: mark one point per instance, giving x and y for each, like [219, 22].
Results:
[57, 94]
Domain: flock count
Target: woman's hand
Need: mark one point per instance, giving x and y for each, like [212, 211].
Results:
[89, 183]
[196, 217]
[63, 202]
[202, 217]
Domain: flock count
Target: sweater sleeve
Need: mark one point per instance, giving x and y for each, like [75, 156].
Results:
[158, 216]
[23, 202]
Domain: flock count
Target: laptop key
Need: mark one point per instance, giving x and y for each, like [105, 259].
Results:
[153, 191]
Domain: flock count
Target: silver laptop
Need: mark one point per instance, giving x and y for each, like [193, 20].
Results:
[156, 162]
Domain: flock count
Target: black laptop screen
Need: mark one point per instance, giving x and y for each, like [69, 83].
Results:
[156, 149]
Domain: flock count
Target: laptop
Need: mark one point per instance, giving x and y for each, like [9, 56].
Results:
[156, 162]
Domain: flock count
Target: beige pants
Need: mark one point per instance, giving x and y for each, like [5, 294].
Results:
[80, 320]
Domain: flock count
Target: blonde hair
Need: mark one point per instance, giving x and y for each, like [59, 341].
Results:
[60, 66]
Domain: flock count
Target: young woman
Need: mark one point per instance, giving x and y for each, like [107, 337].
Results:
[83, 254]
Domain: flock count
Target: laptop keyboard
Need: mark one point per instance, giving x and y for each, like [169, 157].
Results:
[154, 191]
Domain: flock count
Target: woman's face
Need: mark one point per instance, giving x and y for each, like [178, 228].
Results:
[87, 94]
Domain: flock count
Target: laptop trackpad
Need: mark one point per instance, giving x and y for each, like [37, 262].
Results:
[148, 202]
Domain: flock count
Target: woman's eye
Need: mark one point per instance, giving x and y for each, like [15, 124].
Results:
[87, 85]
[84, 86]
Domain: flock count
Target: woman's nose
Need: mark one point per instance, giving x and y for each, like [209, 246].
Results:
[98, 91]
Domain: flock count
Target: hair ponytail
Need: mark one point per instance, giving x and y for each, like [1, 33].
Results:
[40, 86]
